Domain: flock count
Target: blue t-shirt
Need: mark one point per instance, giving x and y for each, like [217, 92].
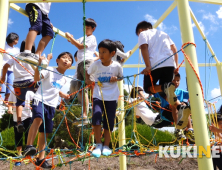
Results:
[182, 96]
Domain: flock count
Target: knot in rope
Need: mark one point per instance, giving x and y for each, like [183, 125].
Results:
[100, 84]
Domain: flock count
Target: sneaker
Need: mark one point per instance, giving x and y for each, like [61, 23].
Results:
[18, 163]
[29, 150]
[20, 127]
[31, 58]
[106, 151]
[97, 151]
[28, 58]
[45, 164]
[183, 114]
[180, 135]
[84, 122]
[169, 89]
[190, 134]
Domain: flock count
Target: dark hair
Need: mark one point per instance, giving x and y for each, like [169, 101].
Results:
[11, 37]
[143, 25]
[177, 75]
[120, 46]
[90, 22]
[22, 47]
[70, 55]
[135, 91]
[108, 44]
[75, 55]
[219, 117]
[220, 110]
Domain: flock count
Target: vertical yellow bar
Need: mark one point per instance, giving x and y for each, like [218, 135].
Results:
[121, 127]
[4, 11]
[219, 74]
[196, 98]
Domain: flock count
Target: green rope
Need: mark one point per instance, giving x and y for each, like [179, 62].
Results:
[57, 32]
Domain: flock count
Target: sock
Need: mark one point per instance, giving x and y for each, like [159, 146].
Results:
[97, 151]
[106, 151]
[27, 51]
[190, 129]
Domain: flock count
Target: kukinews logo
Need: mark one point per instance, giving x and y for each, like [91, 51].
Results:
[189, 151]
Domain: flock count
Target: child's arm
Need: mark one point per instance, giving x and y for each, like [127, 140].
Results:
[10, 108]
[49, 57]
[37, 74]
[63, 95]
[214, 129]
[74, 41]
[97, 56]
[146, 58]
[174, 49]
[4, 71]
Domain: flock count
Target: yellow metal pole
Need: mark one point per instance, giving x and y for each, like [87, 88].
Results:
[4, 11]
[121, 127]
[196, 98]
[203, 35]
[219, 74]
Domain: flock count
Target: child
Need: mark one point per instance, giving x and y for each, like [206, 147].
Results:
[105, 69]
[12, 40]
[23, 82]
[120, 56]
[40, 24]
[26, 120]
[52, 81]
[90, 43]
[163, 119]
[212, 128]
[180, 121]
[155, 47]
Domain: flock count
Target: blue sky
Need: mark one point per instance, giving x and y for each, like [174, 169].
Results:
[117, 21]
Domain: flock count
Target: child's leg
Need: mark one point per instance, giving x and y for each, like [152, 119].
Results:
[42, 145]
[97, 132]
[19, 149]
[189, 125]
[33, 130]
[96, 122]
[42, 44]
[47, 34]
[30, 39]
[19, 113]
[107, 137]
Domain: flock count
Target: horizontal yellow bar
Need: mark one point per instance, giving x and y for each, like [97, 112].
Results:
[32, 1]
[143, 65]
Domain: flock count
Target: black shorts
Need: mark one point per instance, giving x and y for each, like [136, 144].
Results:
[167, 119]
[163, 75]
[39, 21]
[19, 136]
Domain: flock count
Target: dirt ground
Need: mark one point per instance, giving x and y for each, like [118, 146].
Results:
[133, 163]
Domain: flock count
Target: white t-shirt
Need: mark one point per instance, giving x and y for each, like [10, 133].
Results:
[110, 90]
[44, 7]
[51, 86]
[6, 57]
[20, 73]
[144, 112]
[158, 47]
[26, 112]
[91, 48]
[121, 54]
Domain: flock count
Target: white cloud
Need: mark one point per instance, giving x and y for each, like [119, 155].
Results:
[215, 92]
[211, 18]
[219, 13]
[201, 27]
[201, 11]
[161, 26]
[10, 22]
